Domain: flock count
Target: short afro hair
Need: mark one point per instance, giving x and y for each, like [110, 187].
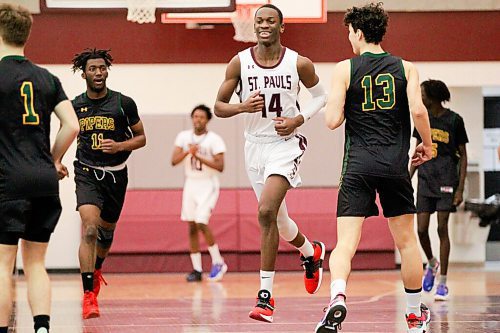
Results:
[268, 5]
[202, 107]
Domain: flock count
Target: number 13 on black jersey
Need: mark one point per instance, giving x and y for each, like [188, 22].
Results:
[385, 80]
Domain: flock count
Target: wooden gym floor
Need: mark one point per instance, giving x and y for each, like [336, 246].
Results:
[166, 303]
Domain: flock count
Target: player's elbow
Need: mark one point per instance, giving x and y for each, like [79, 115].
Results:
[218, 110]
[73, 128]
[419, 112]
[333, 122]
[143, 141]
[333, 125]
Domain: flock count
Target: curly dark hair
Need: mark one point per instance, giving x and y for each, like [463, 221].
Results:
[202, 107]
[436, 90]
[267, 5]
[371, 19]
[80, 59]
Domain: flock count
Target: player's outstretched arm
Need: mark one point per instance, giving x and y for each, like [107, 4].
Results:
[222, 107]
[67, 133]
[423, 151]
[334, 114]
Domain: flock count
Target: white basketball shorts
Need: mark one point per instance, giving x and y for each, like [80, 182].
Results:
[199, 198]
[278, 157]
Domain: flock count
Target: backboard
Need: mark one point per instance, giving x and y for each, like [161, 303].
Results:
[183, 6]
[294, 11]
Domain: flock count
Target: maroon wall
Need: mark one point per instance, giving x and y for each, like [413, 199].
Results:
[418, 36]
[151, 238]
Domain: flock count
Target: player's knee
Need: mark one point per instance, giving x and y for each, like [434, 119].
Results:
[104, 237]
[443, 231]
[202, 227]
[287, 228]
[193, 229]
[423, 233]
[89, 233]
[345, 249]
[267, 214]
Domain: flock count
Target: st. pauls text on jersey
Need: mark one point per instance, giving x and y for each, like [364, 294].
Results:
[271, 81]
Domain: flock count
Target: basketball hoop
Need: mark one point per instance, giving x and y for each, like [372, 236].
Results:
[242, 20]
[141, 11]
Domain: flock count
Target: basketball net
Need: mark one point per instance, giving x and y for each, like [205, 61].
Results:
[141, 11]
[242, 20]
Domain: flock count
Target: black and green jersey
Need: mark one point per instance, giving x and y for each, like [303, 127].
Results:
[109, 117]
[439, 176]
[377, 127]
[28, 95]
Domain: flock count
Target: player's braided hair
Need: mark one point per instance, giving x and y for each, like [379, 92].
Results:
[371, 19]
[436, 90]
[80, 59]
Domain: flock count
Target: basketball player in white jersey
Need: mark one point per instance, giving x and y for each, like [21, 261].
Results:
[203, 154]
[266, 77]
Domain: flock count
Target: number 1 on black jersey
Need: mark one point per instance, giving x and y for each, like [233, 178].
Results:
[31, 117]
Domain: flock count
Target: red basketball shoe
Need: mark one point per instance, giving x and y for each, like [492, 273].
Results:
[90, 308]
[313, 267]
[264, 309]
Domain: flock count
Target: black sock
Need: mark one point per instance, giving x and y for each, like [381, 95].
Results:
[41, 321]
[88, 281]
[98, 262]
[4, 329]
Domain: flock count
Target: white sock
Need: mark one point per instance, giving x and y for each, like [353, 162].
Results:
[306, 249]
[337, 287]
[267, 280]
[432, 262]
[215, 254]
[442, 279]
[413, 302]
[196, 261]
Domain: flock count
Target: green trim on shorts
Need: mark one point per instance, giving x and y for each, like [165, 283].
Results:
[347, 147]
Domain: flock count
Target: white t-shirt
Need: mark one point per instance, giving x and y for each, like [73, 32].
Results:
[209, 144]
[279, 85]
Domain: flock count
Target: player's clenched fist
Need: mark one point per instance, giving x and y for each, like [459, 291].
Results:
[254, 103]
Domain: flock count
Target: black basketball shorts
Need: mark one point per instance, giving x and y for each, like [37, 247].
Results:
[104, 189]
[435, 204]
[32, 219]
[357, 195]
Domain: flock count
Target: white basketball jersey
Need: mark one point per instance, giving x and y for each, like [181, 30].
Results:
[279, 85]
[209, 144]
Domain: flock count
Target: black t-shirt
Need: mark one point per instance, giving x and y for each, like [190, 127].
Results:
[439, 176]
[28, 95]
[109, 117]
[377, 129]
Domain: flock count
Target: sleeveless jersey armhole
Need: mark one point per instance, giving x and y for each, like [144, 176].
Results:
[403, 69]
